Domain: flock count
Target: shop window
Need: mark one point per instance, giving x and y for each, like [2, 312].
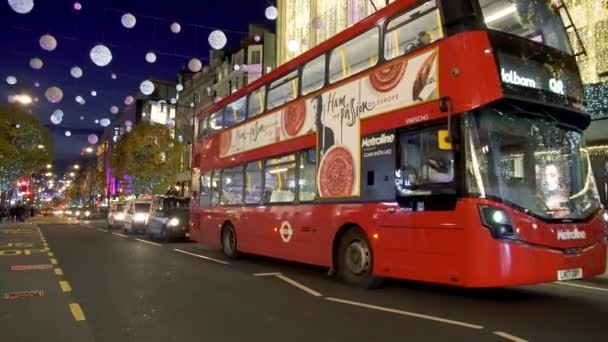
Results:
[307, 180]
[354, 56]
[283, 90]
[426, 160]
[412, 30]
[280, 180]
[232, 186]
[205, 190]
[253, 183]
[235, 112]
[313, 75]
[255, 102]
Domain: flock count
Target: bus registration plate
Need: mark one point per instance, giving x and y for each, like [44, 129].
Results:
[570, 274]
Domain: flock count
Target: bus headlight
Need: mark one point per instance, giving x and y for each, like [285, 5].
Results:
[173, 222]
[87, 213]
[497, 221]
[140, 217]
[119, 217]
[605, 216]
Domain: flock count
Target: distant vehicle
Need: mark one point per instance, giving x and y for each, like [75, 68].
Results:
[116, 215]
[136, 214]
[169, 219]
[89, 213]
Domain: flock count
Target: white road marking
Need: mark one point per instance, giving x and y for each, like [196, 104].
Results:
[582, 286]
[101, 230]
[121, 235]
[509, 336]
[202, 257]
[406, 313]
[149, 242]
[290, 281]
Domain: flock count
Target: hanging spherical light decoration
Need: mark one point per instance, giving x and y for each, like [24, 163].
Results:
[293, 45]
[77, 6]
[151, 57]
[146, 87]
[81, 117]
[104, 122]
[217, 39]
[271, 13]
[57, 117]
[48, 42]
[79, 99]
[76, 72]
[173, 100]
[12, 80]
[317, 23]
[113, 76]
[128, 20]
[21, 6]
[97, 121]
[128, 123]
[54, 94]
[129, 100]
[195, 65]
[93, 93]
[68, 134]
[176, 28]
[101, 55]
[129, 129]
[37, 84]
[114, 110]
[92, 139]
[36, 63]
[179, 87]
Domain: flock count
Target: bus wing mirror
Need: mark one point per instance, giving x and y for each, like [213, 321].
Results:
[443, 140]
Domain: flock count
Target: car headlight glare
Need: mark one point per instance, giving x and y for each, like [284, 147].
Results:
[87, 213]
[119, 216]
[140, 217]
[173, 222]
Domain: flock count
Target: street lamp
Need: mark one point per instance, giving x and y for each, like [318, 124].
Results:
[76, 167]
[89, 150]
[49, 166]
[72, 174]
[40, 147]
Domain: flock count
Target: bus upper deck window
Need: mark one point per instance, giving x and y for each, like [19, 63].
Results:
[283, 90]
[412, 30]
[354, 56]
[255, 102]
[216, 121]
[235, 112]
[313, 75]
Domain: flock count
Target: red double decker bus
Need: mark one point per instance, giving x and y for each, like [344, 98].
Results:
[438, 141]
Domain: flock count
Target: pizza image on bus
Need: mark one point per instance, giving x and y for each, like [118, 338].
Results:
[424, 78]
[294, 117]
[337, 173]
[387, 78]
[225, 142]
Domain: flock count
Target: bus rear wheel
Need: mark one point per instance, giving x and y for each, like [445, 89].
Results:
[229, 242]
[355, 260]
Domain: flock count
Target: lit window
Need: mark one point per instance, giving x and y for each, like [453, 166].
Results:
[283, 90]
[232, 186]
[354, 56]
[253, 183]
[255, 102]
[313, 75]
[280, 180]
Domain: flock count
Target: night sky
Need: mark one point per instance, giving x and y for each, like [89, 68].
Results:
[99, 22]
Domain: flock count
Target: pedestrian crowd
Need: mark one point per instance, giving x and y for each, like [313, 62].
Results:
[15, 213]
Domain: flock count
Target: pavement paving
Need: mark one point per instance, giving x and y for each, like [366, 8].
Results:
[129, 289]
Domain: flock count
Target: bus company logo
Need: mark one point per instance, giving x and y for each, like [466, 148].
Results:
[285, 231]
[571, 234]
[512, 77]
[378, 140]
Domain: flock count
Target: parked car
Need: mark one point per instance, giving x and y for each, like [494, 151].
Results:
[116, 216]
[136, 214]
[169, 219]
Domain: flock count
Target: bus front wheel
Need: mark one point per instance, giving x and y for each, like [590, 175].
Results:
[355, 260]
[229, 241]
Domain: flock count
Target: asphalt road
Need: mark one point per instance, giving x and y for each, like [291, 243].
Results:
[92, 284]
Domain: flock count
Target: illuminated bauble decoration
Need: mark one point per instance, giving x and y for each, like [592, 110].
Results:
[217, 39]
[48, 42]
[113, 76]
[317, 23]
[97, 121]
[176, 28]
[11, 99]
[195, 65]
[257, 38]
[128, 123]
[150, 57]
[129, 129]
[81, 117]
[101, 55]
[179, 87]
[68, 134]
[77, 6]
[271, 13]
[21, 6]
[54, 94]
[293, 45]
[76, 72]
[93, 93]
[80, 100]
[104, 122]
[36, 63]
[92, 139]
[12, 80]
[57, 117]
[128, 20]
[146, 87]
[114, 110]
[173, 100]
[129, 99]
[37, 84]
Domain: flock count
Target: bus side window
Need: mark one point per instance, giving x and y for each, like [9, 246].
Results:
[234, 112]
[412, 30]
[313, 75]
[283, 90]
[203, 126]
[232, 186]
[255, 102]
[253, 183]
[205, 190]
[354, 56]
[307, 179]
[280, 181]
[216, 121]
[216, 188]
